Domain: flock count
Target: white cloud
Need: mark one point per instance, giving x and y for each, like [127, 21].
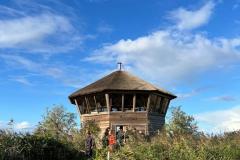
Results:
[16, 60]
[32, 33]
[23, 125]
[58, 71]
[17, 126]
[36, 27]
[35, 67]
[236, 5]
[190, 19]
[225, 98]
[170, 56]
[193, 92]
[2, 125]
[7, 11]
[220, 120]
[27, 29]
[104, 28]
[30, 65]
[22, 80]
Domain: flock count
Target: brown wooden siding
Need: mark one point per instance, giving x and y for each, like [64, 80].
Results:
[142, 121]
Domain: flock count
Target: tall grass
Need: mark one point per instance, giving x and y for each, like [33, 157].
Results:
[161, 147]
[183, 147]
[178, 140]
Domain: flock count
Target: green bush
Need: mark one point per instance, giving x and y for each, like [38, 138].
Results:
[27, 147]
[54, 141]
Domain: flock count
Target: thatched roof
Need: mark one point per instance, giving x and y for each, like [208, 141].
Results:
[118, 80]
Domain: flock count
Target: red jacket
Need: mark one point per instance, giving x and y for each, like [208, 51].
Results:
[112, 139]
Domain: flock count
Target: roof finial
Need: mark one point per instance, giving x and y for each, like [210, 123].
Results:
[120, 65]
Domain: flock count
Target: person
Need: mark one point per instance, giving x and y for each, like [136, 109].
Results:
[141, 135]
[126, 135]
[120, 137]
[105, 138]
[89, 145]
[111, 140]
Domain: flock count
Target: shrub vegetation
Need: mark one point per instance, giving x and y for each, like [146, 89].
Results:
[57, 137]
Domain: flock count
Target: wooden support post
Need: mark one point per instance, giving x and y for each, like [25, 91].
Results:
[95, 103]
[88, 110]
[78, 107]
[162, 105]
[107, 102]
[134, 102]
[158, 105]
[146, 130]
[167, 101]
[148, 102]
[90, 107]
[84, 108]
[155, 103]
[122, 102]
[110, 103]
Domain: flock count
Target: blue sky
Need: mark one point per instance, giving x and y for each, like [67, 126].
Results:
[50, 48]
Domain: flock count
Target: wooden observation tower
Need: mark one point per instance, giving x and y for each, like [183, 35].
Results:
[123, 100]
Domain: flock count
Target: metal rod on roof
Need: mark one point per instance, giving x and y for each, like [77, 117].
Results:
[120, 65]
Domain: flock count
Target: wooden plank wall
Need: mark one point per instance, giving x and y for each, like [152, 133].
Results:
[142, 121]
[136, 120]
[156, 123]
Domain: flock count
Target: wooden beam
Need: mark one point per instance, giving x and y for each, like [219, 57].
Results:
[78, 107]
[122, 102]
[162, 105]
[134, 102]
[87, 105]
[107, 102]
[155, 103]
[159, 104]
[90, 107]
[166, 106]
[110, 103]
[148, 102]
[146, 129]
[95, 103]
[84, 107]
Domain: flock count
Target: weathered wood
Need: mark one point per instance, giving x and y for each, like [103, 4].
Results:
[107, 102]
[110, 104]
[95, 103]
[134, 93]
[88, 110]
[89, 105]
[134, 102]
[148, 102]
[142, 121]
[155, 103]
[156, 123]
[166, 108]
[164, 104]
[78, 107]
[84, 107]
[158, 105]
[122, 102]
[146, 130]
